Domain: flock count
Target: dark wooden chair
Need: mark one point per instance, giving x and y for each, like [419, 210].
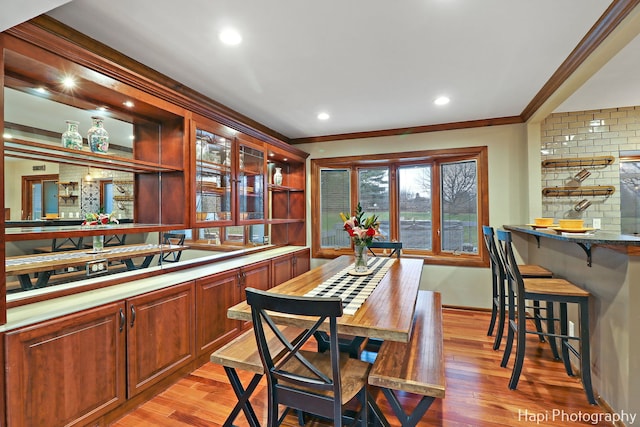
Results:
[551, 291]
[315, 383]
[499, 293]
[66, 244]
[394, 247]
[115, 240]
[172, 239]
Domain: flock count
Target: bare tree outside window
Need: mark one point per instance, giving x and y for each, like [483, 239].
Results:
[459, 207]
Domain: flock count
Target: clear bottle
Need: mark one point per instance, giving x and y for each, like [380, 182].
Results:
[71, 138]
[98, 136]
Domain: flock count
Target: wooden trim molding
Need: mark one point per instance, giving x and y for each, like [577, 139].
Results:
[411, 130]
[610, 19]
[55, 37]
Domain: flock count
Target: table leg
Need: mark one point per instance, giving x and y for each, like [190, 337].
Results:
[412, 419]
[131, 265]
[243, 398]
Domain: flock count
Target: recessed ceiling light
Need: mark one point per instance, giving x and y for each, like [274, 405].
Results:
[230, 37]
[102, 108]
[7, 136]
[68, 82]
[323, 116]
[441, 100]
[41, 89]
[128, 104]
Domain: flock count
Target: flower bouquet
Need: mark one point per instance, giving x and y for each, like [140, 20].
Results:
[362, 231]
[97, 219]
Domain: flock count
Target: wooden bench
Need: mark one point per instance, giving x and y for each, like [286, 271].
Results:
[242, 353]
[417, 366]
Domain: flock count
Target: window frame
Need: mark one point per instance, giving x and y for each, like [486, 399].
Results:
[393, 161]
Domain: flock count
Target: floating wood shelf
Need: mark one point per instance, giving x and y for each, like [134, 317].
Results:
[598, 190]
[123, 198]
[578, 162]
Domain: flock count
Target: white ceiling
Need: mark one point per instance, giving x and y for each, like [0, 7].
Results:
[371, 64]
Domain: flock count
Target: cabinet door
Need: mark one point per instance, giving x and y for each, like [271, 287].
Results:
[301, 262]
[257, 276]
[213, 184]
[251, 183]
[282, 268]
[215, 294]
[160, 336]
[67, 371]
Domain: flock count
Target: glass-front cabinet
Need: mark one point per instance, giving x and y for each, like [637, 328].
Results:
[213, 177]
[103, 177]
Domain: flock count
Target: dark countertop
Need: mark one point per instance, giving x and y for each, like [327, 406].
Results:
[596, 237]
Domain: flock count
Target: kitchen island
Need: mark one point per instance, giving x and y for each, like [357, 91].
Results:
[608, 266]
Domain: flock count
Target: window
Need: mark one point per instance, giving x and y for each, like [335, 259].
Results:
[434, 202]
[630, 192]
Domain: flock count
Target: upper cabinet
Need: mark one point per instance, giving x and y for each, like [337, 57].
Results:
[54, 107]
[86, 130]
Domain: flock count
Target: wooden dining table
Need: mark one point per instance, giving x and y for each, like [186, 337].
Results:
[386, 314]
[45, 264]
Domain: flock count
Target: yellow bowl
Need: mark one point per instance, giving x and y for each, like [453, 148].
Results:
[543, 221]
[571, 223]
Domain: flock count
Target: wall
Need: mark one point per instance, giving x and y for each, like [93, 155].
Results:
[584, 134]
[13, 171]
[460, 286]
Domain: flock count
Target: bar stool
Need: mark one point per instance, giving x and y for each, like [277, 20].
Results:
[550, 291]
[499, 299]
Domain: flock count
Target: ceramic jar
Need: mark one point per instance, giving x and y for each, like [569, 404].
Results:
[98, 136]
[71, 138]
[277, 177]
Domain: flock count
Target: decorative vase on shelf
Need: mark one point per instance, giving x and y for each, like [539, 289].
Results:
[361, 258]
[98, 136]
[277, 177]
[98, 243]
[71, 138]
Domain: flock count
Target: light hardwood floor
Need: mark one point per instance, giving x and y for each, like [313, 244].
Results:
[476, 395]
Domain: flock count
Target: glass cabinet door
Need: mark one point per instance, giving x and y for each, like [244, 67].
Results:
[251, 180]
[213, 177]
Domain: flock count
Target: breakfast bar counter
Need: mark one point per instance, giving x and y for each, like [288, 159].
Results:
[607, 265]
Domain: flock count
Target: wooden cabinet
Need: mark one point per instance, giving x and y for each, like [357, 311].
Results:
[216, 293]
[67, 371]
[160, 335]
[287, 203]
[77, 368]
[288, 266]
[250, 181]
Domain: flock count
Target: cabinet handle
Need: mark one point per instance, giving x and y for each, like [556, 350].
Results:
[122, 320]
[133, 315]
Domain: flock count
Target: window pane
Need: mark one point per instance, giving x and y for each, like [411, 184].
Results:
[459, 207]
[415, 207]
[334, 198]
[373, 191]
[630, 197]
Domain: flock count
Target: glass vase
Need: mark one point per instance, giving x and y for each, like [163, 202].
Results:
[360, 252]
[98, 243]
[277, 177]
[71, 138]
[98, 136]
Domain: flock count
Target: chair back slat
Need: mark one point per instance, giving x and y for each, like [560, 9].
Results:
[396, 247]
[299, 378]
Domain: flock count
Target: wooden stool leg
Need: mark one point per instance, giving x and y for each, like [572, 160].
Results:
[551, 328]
[565, 343]
[501, 318]
[585, 351]
[536, 319]
[521, 346]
